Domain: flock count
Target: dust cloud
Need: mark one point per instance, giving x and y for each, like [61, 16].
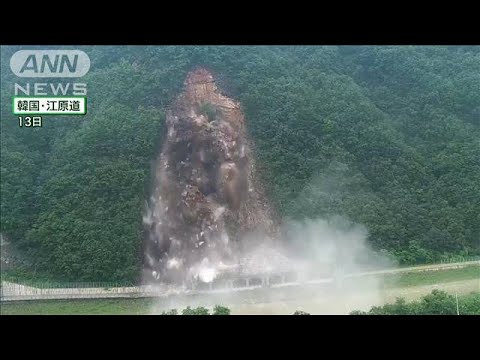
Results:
[314, 249]
[209, 225]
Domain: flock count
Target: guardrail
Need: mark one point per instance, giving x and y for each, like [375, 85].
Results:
[68, 285]
[461, 259]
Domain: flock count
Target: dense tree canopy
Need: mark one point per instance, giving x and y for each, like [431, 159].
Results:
[436, 303]
[386, 136]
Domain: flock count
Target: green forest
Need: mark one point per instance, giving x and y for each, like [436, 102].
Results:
[436, 303]
[385, 136]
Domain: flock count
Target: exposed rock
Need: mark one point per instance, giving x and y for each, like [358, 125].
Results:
[205, 197]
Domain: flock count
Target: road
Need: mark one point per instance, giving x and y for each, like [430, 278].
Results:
[364, 283]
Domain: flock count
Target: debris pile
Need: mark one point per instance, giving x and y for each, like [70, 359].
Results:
[264, 260]
[205, 196]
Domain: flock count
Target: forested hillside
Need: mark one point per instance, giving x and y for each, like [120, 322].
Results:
[386, 136]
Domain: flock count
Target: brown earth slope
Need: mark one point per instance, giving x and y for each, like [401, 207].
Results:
[205, 199]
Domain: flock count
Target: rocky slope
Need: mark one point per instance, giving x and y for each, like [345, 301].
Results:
[206, 199]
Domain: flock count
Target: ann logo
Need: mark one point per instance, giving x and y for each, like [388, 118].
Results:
[56, 66]
[50, 63]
